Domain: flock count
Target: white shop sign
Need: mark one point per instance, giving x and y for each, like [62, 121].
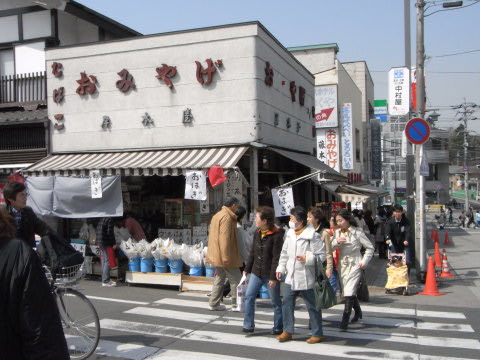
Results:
[282, 201]
[195, 185]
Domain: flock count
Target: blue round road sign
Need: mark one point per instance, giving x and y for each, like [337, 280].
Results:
[417, 131]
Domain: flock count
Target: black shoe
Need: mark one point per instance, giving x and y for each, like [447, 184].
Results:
[358, 310]
[344, 324]
[248, 330]
[276, 332]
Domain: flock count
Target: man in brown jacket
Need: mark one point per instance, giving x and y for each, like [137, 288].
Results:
[223, 253]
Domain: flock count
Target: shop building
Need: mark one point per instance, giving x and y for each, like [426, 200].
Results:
[149, 109]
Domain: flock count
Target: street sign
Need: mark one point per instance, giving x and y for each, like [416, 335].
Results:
[417, 131]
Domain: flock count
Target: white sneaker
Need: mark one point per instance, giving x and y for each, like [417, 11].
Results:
[235, 308]
[110, 284]
[218, 308]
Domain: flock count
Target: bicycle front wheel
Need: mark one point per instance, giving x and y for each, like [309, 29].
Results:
[80, 322]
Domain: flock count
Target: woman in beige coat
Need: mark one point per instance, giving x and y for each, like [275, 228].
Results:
[350, 239]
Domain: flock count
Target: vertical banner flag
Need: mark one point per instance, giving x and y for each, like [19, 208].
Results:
[195, 185]
[326, 106]
[347, 142]
[376, 133]
[404, 144]
[398, 91]
[327, 147]
[96, 184]
[282, 201]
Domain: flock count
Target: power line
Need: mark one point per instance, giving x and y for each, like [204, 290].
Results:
[454, 54]
[455, 8]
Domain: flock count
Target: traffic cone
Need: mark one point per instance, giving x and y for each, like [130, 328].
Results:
[432, 235]
[447, 240]
[431, 283]
[445, 268]
[438, 257]
[436, 236]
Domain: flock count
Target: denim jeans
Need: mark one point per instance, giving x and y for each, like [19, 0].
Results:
[254, 284]
[105, 264]
[308, 296]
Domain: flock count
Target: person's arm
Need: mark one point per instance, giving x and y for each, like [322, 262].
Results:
[282, 262]
[276, 251]
[408, 234]
[40, 227]
[224, 241]
[328, 246]
[388, 230]
[369, 249]
[251, 257]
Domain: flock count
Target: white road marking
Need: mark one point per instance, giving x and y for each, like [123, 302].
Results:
[193, 294]
[117, 300]
[339, 351]
[334, 332]
[171, 314]
[368, 320]
[191, 355]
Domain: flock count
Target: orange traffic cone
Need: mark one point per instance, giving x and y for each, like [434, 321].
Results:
[432, 235]
[447, 240]
[431, 283]
[438, 257]
[436, 236]
[445, 268]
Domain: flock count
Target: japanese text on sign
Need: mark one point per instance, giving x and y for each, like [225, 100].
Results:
[398, 91]
[327, 147]
[282, 201]
[195, 185]
[233, 187]
[347, 142]
[96, 184]
[326, 106]
[376, 149]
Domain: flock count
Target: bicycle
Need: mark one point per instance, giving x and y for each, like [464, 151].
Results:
[79, 318]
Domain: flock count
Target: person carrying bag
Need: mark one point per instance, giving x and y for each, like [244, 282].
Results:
[325, 296]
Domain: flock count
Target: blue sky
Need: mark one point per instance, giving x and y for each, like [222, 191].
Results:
[370, 30]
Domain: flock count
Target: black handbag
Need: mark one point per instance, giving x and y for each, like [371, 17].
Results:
[325, 296]
[362, 291]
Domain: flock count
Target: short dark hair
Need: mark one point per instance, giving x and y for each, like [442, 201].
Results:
[344, 213]
[11, 190]
[7, 229]
[230, 201]
[398, 207]
[240, 212]
[317, 214]
[300, 214]
[267, 213]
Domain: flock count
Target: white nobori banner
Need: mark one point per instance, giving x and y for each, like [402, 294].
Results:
[398, 91]
[96, 184]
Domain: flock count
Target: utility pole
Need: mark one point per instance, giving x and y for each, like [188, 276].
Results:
[410, 159]
[466, 110]
[420, 243]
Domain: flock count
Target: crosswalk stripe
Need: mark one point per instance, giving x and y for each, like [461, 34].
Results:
[191, 355]
[178, 315]
[377, 309]
[329, 331]
[340, 351]
[117, 300]
[370, 320]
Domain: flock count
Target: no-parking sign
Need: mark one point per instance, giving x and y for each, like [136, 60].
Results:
[417, 131]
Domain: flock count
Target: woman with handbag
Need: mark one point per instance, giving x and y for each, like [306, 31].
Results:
[297, 261]
[350, 239]
[261, 264]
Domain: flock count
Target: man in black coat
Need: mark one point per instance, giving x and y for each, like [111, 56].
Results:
[29, 318]
[398, 233]
[27, 224]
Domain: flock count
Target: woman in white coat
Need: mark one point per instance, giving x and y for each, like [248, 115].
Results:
[297, 261]
[349, 238]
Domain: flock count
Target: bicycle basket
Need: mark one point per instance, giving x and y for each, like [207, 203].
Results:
[69, 275]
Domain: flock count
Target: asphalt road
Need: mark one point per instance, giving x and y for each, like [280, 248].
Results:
[149, 323]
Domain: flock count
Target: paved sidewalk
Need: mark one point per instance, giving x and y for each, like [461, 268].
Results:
[463, 254]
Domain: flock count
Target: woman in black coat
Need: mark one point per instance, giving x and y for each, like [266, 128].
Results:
[262, 264]
[30, 324]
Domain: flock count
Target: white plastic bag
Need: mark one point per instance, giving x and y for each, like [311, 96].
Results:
[157, 247]
[241, 292]
[173, 251]
[144, 249]
[83, 234]
[193, 255]
[129, 249]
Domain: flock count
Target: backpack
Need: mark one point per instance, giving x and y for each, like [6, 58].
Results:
[56, 253]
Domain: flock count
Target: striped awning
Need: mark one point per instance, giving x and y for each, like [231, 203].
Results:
[146, 163]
